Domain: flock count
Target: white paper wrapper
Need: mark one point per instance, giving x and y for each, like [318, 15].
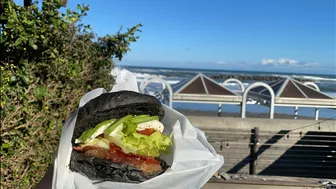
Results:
[193, 160]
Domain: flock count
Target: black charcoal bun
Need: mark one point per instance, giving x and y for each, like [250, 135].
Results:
[115, 105]
[105, 170]
[104, 107]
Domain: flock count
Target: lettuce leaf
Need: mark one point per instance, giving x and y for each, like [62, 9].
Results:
[129, 127]
[152, 145]
[123, 133]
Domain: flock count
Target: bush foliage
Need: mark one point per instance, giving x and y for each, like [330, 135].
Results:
[48, 60]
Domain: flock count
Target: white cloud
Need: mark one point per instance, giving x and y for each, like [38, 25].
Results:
[310, 64]
[267, 61]
[292, 62]
[286, 62]
[220, 62]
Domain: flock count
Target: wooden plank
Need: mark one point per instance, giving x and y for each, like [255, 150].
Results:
[229, 130]
[234, 168]
[277, 150]
[294, 162]
[269, 136]
[268, 183]
[214, 130]
[310, 173]
[282, 144]
[295, 166]
[232, 155]
[236, 160]
[234, 151]
[279, 170]
[231, 145]
[276, 147]
[226, 140]
[231, 149]
[274, 154]
[272, 133]
[296, 145]
[270, 157]
[308, 149]
[276, 140]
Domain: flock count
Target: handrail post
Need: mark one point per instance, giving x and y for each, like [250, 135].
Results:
[254, 146]
[316, 113]
[219, 110]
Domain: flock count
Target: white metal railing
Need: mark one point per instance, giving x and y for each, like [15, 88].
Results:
[151, 79]
[258, 84]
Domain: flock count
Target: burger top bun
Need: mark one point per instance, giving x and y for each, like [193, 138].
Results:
[115, 105]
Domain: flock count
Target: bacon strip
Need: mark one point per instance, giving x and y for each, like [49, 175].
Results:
[115, 154]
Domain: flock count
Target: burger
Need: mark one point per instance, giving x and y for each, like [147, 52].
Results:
[119, 137]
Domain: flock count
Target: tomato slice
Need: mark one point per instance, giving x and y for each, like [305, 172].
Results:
[114, 149]
[146, 132]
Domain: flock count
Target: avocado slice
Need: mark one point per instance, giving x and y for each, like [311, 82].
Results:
[114, 125]
[92, 133]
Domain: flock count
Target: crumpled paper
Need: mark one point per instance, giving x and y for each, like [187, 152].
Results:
[193, 160]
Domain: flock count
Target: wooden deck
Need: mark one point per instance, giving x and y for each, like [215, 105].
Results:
[283, 153]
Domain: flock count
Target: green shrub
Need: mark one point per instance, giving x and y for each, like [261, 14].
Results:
[48, 60]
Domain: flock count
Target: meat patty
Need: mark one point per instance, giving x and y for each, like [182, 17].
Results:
[146, 164]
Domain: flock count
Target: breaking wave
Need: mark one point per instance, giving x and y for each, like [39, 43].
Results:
[327, 83]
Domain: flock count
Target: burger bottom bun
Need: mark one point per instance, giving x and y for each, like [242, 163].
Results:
[104, 170]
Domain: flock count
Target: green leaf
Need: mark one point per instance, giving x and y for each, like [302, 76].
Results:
[45, 42]
[25, 79]
[40, 92]
[11, 108]
[9, 26]
[3, 17]
[3, 38]
[32, 44]
[21, 28]
[79, 7]
[13, 78]
[14, 16]
[43, 30]
[6, 145]
[18, 42]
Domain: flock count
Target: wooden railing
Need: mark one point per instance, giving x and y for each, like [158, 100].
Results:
[282, 153]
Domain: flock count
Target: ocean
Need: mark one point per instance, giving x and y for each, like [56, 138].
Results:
[326, 83]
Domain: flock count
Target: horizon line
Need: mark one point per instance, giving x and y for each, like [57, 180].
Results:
[233, 70]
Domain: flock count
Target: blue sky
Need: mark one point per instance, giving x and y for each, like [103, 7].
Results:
[278, 35]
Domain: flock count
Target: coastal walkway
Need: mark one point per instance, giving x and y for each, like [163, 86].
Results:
[228, 185]
[294, 150]
[265, 182]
